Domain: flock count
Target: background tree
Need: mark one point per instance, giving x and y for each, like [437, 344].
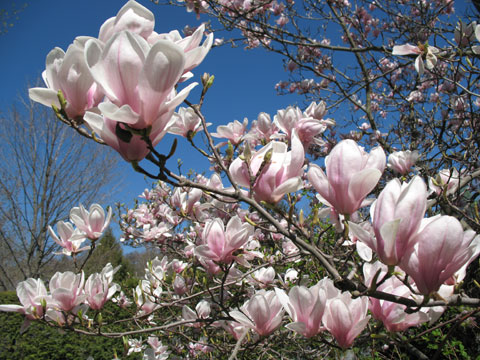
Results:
[46, 168]
[108, 250]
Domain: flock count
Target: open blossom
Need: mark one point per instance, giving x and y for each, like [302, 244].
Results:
[99, 287]
[441, 249]
[276, 171]
[92, 222]
[186, 123]
[33, 296]
[392, 315]
[69, 73]
[70, 239]
[220, 243]
[262, 313]
[233, 131]
[402, 161]
[426, 52]
[306, 307]
[396, 217]
[351, 175]
[138, 80]
[67, 290]
[306, 125]
[345, 318]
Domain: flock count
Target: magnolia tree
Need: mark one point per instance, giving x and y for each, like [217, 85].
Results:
[276, 252]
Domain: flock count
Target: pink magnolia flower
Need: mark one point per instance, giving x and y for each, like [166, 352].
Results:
[99, 287]
[446, 180]
[93, 222]
[263, 313]
[441, 249]
[179, 285]
[423, 51]
[345, 318]
[67, 290]
[351, 176]
[220, 243]
[306, 125]
[186, 123]
[263, 277]
[392, 315]
[262, 130]
[281, 174]
[317, 111]
[465, 34]
[139, 82]
[306, 307]
[233, 131]
[396, 218]
[33, 297]
[202, 311]
[402, 161]
[145, 298]
[69, 73]
[70, 240]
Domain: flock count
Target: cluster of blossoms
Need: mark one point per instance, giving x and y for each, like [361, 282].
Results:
[68, 296]
[123, 83]
[233, 268]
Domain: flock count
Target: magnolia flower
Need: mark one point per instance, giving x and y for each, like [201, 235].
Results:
[263, 277]
[93, 222]
[220, 243]
[441, 249]
[464, 34]
[70, 239]
[67, 290]
[276, 171]
[33, 297]
[305, 306]
[345, 318]
[186, 123]
[202, 311]
[392, 315]
[402, 161]
[351, 176]
[446, 181]
[476, 48]
[99, 288]
[306, 125]
[396, 217]
[423, 51]
[138, 80]
[317, 111]
[69, 73]
[263, 313]
[145, 298]
[233, 131]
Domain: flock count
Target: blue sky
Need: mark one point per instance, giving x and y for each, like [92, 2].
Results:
[244, 80]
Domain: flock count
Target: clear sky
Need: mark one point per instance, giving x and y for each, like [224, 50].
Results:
[244, 80]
